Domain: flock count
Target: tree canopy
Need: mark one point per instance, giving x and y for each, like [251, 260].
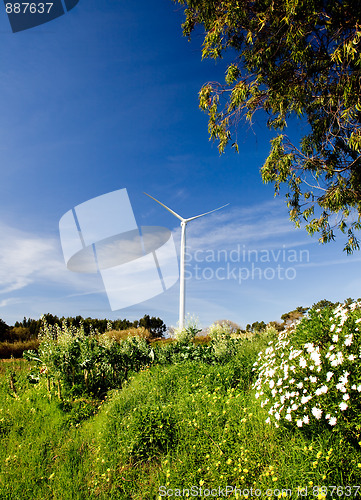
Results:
[292, 58]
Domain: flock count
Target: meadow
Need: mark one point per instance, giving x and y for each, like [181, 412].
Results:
[270, 415]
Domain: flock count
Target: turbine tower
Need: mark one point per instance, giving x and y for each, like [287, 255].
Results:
[182, 254]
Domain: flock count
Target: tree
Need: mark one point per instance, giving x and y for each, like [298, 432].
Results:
[155, 326]
[233, 327]
[4, 328]
[292, 58]
[294, 315]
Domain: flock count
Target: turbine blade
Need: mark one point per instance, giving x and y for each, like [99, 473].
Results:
[167, 208]
[196, 217]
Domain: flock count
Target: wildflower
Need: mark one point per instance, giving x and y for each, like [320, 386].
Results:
[333, 421]
[303, 362]
[316, 412]
[348, 340]
[335, 338]
[343, 406]
[299, 423]
[329, 375]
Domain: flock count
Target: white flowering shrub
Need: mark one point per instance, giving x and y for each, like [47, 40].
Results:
[311, 374]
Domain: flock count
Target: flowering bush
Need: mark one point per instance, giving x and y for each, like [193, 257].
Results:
[311, 373]
[90, 363]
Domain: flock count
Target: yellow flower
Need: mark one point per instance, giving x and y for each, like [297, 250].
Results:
[274, 478]
[229, 461]
[319, 454]
[201, 482]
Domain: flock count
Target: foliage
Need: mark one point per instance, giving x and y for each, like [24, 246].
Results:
[257, 326]
[186, 334]
[90, 364]
[16, 349]
[295, 58]
[3, 330]
[155, 326]
[310, 376]
[295, 315]
[179, 426]
[232, 326]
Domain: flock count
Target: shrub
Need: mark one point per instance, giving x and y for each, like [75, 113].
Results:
[16, 349]
[311, 374]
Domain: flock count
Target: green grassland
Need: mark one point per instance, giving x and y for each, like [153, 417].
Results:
[189, 428]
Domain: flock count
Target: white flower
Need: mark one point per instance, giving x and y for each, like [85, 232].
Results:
[351, 357]
[299, 423]
[268, 420]
[348, 340]
[340, 387]
[313, 379]
[358, 320]
[277, 416]
[288, 417]
[316, 412]
[346, 397]
[333, 326]
[353, 387]
[329, 375]
[303, 362]
[271, 384]
[333, 421]
[306, 420]
[343, 406]
[334, 338]
[359, 388]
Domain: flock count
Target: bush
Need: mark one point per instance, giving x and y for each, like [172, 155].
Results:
[310, 376]
[16, 349]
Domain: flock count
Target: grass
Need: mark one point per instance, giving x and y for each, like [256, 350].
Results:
[168, 429]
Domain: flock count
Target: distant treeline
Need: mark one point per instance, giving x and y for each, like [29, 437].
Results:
[29, 329]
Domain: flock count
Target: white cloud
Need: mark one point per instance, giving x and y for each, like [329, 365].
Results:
[263, 226]
[27, 258]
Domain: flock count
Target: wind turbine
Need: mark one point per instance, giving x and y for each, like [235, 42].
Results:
[182, 254]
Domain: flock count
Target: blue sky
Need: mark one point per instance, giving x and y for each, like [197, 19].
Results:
[104, 98]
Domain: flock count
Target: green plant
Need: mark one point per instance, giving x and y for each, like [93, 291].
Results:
[310, 376]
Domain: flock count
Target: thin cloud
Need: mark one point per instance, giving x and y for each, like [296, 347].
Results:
[26, 259]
